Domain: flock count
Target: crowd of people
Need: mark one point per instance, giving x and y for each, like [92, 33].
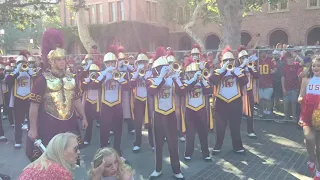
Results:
[170, 98]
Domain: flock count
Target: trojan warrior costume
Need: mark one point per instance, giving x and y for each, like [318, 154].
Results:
[196, 112]
[229, 80]
[56, 96]
[163, 88]
[138, 85]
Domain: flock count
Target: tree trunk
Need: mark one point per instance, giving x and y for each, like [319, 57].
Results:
[83, 30]
[231, 12]
[194, 36]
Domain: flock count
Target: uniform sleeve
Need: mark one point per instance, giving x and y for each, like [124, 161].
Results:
[154, 86]
[216, 77]
[38, 90]
[254, 73]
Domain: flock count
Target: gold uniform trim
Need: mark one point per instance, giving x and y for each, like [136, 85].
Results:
[231, 99]
[15, 89]
[195, 108]
[111, 104]
[165, 112]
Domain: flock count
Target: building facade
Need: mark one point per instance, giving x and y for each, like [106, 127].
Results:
[138, 24]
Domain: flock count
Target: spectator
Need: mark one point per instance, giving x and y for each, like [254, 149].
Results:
[276, 81]
[111, 167]
[267, 68]
[290, 85]
[57, 162]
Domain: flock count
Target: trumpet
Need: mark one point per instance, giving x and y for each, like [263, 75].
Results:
[205, 73]
[142, 72]
[250, 64]
[24, 67]
[93, 76]
[230, 67]
[175, 66]
[126, 62]
[116, 75]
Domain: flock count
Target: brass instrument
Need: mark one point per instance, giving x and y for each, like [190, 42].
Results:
[142, 72]
[116, 75]
[250, 64]
[205, 73]
[24, 67]
[175, 66]
[126, 62]
[93, 76]
[230, 67]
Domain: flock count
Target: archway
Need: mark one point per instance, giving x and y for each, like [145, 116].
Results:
[185, 43]
[245, 38]
[278, 36]
[313, 36]
[212, 42]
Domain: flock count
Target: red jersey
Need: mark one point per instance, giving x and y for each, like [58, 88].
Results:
[291, 80]
[265, 68]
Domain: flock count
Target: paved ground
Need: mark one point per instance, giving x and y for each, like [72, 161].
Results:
[278, 153]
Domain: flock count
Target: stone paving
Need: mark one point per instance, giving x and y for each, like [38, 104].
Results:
[278, 153]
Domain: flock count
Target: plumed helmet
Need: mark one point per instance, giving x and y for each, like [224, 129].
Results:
[227, 54]
[160, 57]
[196, 49]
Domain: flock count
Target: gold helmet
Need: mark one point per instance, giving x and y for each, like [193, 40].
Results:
[161, 61]
[227, 54]
[121, 54]
[109, 57]
[94, 67]
[21, 58]
[242, 51]
[192, 67]
[56, 54]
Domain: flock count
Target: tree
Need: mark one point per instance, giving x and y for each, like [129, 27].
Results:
[25, 13]
[79, 7]
[227, 13]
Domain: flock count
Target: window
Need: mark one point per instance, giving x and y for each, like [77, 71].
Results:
[184, 14]
[93, 14]
[112, 11]
[89, 15]
[99, 14]
[154, 12]
[122, 10]
[149, 10]
[313, 3]
[280, 6]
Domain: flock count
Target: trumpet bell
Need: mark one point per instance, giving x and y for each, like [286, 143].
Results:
[176, 66]
[142, 72]
[24, 67]
[250, 64]
[126, 62]
[205, 73]
[116, 75]
[230, 67]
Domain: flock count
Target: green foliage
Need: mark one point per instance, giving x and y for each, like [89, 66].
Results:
[52, 21]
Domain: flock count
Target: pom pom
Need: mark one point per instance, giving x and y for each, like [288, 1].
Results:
[187, 62]
[309, 103]
[160, 51]
[242, 47]
[226, 49]
[120, 49]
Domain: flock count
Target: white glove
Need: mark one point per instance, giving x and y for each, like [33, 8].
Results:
[108, 70]
[195, 77]
[253, 58]
[88, 65]
[237, 71]
[244, 63]
[31, 72]
[140, 66]
[223, 68]
[164, 71]
[17, 69]
[87, 80]
[202, 65]
[175, 75]
[130, 67]
[204, 82]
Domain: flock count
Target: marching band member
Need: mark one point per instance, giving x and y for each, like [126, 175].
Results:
[91, 100]
[54, 98]
[249, 98]
[6, 89]
[138, 82]
[21, 80]
[125, 68]
[111, 116]
[2, 76]
[162, 87]
[196, 112]
[229, 80]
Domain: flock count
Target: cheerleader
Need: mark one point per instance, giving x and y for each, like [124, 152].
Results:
[310, 115]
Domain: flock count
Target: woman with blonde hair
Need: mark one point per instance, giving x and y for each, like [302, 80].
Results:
[107, 165]
[57, 162]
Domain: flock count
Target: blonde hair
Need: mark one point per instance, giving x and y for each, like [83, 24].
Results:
[122, 168]
[55, 152]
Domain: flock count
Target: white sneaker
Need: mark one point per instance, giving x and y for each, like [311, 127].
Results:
[3, 138]
[111, 132]
[182, 139]
[86, 143]
[136, 148]
[187, 158]
[133, 131]
[25, 127]
[240, 151]
[178, 176]
[98, 124]
[12, 125]
[156, 174]
[17, 146]
[152, 148]
[207, 158]
[251, 135]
